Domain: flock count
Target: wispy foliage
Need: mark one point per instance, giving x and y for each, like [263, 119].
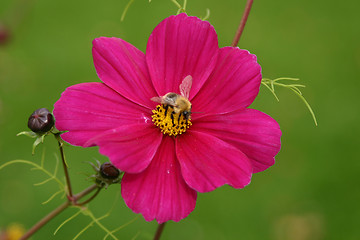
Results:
[180, 9]
[271, 83]
[52, 176]
[95, 221]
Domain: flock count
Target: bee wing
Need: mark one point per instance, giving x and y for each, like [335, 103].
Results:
[168, 101]
[164, 100]
[185, 86]
[157, 99]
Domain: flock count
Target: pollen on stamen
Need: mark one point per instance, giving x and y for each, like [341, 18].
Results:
[168, 121]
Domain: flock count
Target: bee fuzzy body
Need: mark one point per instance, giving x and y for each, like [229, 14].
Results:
[180, 103]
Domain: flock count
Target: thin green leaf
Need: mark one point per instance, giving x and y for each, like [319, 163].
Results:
[36, 166]
[296, 89]
[272, 91]
[52, 197]
[286, 78]
[43, 182]
[56, 165]
[298, 85]
[177, 4]
[68, 220]
[293, 87]
[97, 221]
[83, 230]
[207, 15]
[180, 8]
[28, 134]
[36, 142]
[287, 85]
[307, 105]
[18, 161]
[125, 10]
[272, 86]
[136, 235]
[122, 226]
[42, 159]
[184, 7]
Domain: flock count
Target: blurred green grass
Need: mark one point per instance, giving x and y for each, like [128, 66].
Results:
[312, 192]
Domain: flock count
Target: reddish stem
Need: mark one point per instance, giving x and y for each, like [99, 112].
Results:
[67, 177]
[159, 231]
[56, 211]
[242, 23]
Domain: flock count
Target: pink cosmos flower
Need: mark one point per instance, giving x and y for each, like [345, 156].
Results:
[224, 142]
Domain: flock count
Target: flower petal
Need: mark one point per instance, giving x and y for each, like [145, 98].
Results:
[86, 110]
[208, 162]
[130, 147]
[159, 192]
[180, 46]
[234, 84]
[122, 67]
[253, 132]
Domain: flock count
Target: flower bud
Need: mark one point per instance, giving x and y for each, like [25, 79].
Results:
[109, 171]
[41, 121]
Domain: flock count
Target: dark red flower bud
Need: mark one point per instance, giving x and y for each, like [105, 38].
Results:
[109, 171]
[41, 121]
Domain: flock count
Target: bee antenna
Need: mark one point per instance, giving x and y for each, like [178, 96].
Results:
[196, 112]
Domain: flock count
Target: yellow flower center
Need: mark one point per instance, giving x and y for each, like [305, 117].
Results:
[170, 123]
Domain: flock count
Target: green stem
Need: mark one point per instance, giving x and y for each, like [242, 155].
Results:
[242, 23]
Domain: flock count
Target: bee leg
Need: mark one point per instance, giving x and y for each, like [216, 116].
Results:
[172, 118]
[179, 118]
[166, 108]
[185, 117]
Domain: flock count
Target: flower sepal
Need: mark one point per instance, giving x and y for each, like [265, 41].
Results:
[30, 134]
[39, 138]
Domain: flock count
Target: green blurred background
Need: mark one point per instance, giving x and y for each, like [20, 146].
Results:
[312, 192]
